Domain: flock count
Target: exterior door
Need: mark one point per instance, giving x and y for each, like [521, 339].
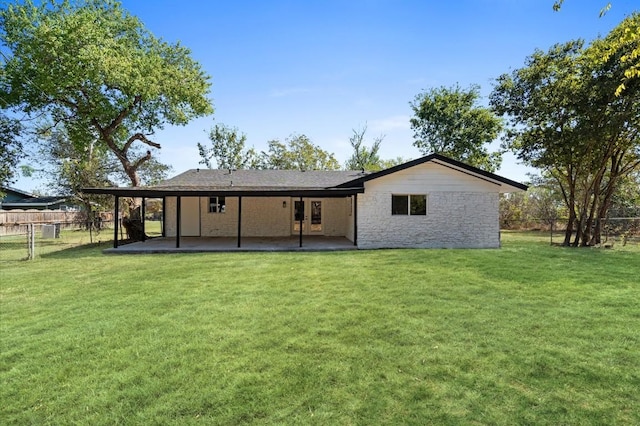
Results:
[310, 211]
[190, 216]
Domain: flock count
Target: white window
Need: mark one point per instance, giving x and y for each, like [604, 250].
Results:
[216, 204]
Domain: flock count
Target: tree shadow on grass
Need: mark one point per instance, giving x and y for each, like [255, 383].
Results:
[80, 251]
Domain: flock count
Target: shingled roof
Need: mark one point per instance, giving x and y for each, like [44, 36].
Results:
[321, 183]
[283, 179]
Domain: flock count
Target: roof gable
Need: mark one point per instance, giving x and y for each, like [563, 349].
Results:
[508, 184]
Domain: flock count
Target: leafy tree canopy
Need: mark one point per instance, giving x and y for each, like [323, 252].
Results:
[91, 66]
[228, 150]
[565, 118]
[627, 33]
[450, 122]
[297, 153]
[10, 149]
[364, 158]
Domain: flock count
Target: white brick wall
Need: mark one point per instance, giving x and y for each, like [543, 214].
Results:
[453, 220]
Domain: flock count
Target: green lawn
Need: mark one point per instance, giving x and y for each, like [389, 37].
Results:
[529, 334]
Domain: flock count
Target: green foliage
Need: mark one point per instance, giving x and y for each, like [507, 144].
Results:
[541, 205]
[393, 162]
[298, 153]
[628, 34]
[364, 158]
[10, 149]
[450, 122]
[72, 167]
[459, 337]
[626, 200]
[94, 68]
[622, 45]
[228, 150]
[566, 119]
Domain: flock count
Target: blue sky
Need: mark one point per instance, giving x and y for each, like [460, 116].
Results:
[323, 68]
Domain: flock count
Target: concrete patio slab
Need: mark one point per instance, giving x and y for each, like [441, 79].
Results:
[223, 244]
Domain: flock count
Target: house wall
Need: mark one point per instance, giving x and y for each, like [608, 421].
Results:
[335, 217]
[462, 211]
[261, 217]
[349, 212]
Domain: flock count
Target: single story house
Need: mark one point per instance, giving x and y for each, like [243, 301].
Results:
[430, 202]
[17, 199]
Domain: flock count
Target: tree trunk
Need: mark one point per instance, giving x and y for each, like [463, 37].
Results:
[569, 231]
[133, 223]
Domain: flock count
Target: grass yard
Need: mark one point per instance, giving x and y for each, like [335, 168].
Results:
[529, 334]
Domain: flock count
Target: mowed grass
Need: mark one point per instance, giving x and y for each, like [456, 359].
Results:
[528, 334]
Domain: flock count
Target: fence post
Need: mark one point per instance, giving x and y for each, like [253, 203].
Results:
[31, 238]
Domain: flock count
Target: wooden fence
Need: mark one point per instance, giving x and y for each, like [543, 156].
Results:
[12, 220]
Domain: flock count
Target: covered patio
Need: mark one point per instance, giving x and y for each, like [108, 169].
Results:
[247, 210]
[228, 244]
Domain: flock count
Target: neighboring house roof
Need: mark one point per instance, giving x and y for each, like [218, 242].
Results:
[202, 182]
[32, 203]
[15, 193]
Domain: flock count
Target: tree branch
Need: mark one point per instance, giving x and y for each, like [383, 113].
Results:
[142, 160]
[139, 137]
[123, 114]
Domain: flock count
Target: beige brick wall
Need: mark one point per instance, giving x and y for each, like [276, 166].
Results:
[335, 218]
[261, 217]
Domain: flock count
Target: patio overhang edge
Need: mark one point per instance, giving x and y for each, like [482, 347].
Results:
[149, 192]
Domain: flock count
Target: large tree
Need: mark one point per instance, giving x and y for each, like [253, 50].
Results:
[297, 153]
[10, 149]
[566, 119]
[69, 167]
[628, 33]
[92, 67]
[228, 150]
[363, 157]
[450, 121]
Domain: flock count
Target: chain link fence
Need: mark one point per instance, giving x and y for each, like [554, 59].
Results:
[32, 240]
[621, 230]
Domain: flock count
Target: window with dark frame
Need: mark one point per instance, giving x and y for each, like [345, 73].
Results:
[418, 204]
[399, 204]
[216, 204]
[411, 205]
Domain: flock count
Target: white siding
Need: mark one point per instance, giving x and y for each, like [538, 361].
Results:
[462, 211]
